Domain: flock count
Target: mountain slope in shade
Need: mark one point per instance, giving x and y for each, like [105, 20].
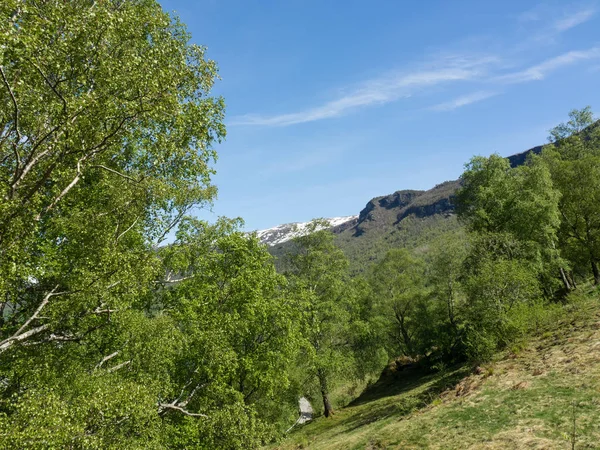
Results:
[405, 219]
[408, 219]
[283, 233]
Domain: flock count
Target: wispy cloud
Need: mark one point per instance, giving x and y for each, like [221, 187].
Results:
[540, 71]
[558, 20]
[378, 91]
[464, 100]
[572, 20]
[550, 23]
[444, 71]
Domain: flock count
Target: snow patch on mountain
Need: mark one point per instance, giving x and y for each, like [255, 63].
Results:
[285, 232]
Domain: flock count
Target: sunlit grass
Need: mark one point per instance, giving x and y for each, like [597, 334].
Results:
[546, 396]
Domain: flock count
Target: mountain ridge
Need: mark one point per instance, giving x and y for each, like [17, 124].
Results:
[287, 231]
[406, 218]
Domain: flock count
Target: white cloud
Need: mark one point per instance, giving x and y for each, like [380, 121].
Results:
[464, 100]
[557, 20]
[550, 23]
[540, 71]
[444, 71]
[379, 91]
[574, 19]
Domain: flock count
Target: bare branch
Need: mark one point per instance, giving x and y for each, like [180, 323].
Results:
[189, 397]
[16, 127]
[7, 343]
[175, 221]
[127, 177]
[96, 148]
[14, 101]
[27, 168]
[118, 366]
[32, 158]
[170, 280]
[128, 229]
[37, 311]
[41, 181]
[63, 338]
[112, 285]
[55, 337]
[104, 311]
[164, 406]
[20, 335]
[106, 358]
[65, 191]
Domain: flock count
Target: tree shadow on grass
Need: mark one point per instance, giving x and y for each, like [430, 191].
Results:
[428, 387]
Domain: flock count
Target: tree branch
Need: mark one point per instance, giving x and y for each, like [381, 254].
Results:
[37, 311]
[32, 160]
[127, 230]
[175, 221]
[16, 127]
[106, 358]
[26, 169]
[127, 177]
[20, 335]
[163, 406]
[65, 191]
[189, 397]
[170, 280]
[7, 343]
[118, 366]
[59, 95]
[14, 102]
[104, 311]
[54, 337]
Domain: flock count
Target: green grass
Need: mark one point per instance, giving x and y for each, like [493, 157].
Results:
[546, 396]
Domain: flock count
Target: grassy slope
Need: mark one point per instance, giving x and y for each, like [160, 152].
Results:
[526, 399]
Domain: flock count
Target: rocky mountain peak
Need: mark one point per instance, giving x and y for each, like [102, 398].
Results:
[283, 233]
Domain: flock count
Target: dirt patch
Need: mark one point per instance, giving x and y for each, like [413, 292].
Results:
[520, 385]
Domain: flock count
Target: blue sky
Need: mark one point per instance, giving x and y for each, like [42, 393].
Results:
[331, 103]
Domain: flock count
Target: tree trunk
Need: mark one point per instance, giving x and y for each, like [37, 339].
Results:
[571, 278]
[596, 272]
[565, 279]
[327, 408]
[405, 336]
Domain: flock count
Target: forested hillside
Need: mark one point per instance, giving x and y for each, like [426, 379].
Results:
[110, 338]
[408, 219]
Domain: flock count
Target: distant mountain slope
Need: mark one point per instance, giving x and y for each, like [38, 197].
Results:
[406, 218]
[390, 210]
[283, 233]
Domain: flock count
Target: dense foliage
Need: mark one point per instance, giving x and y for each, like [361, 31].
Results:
[336, 333]
[111, 339]
[530, 236]
[108, 340]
